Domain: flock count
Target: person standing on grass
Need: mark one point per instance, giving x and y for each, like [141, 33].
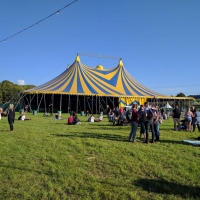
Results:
[176, 113]
[193, 110]
[149, 123]
[107, 110]
[146, 108]
[134, 123]
[11, 116]
[188, 119]
[196, 121]
[156, 123]
[142, 114]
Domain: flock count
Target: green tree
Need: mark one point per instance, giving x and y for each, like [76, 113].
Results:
[180, 94]
[9, 90]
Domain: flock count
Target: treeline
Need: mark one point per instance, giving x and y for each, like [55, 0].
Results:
[195, 96]
[8, 90]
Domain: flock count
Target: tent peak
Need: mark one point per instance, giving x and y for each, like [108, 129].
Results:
[120, 64]
[77, 58]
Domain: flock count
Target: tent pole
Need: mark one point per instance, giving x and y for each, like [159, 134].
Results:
[77, 104]
[99, 104]
[38, 108]
[37, 100]
[113, 103]
[96, 104]
[30, 102]
[52, 104]
[92, 104]
[84, 105]
[60, 102]
[106, 101]
[45, 104]
[68, 102]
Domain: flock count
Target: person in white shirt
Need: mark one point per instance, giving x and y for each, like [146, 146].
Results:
[99, 119]
[23, 117]
[91, 118]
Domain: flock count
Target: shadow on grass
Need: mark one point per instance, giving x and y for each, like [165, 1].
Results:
[95, 136]
[168, 188]
[111, 137]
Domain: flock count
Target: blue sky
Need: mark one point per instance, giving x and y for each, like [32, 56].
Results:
[158, 40]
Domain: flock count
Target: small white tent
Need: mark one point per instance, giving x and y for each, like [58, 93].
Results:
[167, 105]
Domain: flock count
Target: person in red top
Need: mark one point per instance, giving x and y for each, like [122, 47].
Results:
[121, 110]
[71, 120]
[134, 123]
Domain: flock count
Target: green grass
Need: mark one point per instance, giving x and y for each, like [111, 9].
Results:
[48, 159]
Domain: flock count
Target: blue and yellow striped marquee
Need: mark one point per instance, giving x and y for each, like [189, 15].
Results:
[79, 79]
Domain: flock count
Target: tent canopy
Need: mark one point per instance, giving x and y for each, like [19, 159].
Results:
[167, 105]
[79, 79]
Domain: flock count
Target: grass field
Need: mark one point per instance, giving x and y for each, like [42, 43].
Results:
[48, 159]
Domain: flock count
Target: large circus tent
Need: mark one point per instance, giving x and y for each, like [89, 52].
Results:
[80, 88]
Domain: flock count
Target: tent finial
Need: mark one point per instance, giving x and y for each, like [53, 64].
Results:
[120, 63]
[78, 58]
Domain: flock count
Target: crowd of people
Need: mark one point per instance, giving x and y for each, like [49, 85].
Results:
[190, 121]
[148, 118]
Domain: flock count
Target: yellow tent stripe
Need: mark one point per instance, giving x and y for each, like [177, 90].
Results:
[74, 84]
[98, 83]
[119, 85]
[106, 76]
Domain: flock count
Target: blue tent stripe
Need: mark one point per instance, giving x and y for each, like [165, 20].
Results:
[134, 102]
[126, 89]
[122, 102]
[67, 89]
